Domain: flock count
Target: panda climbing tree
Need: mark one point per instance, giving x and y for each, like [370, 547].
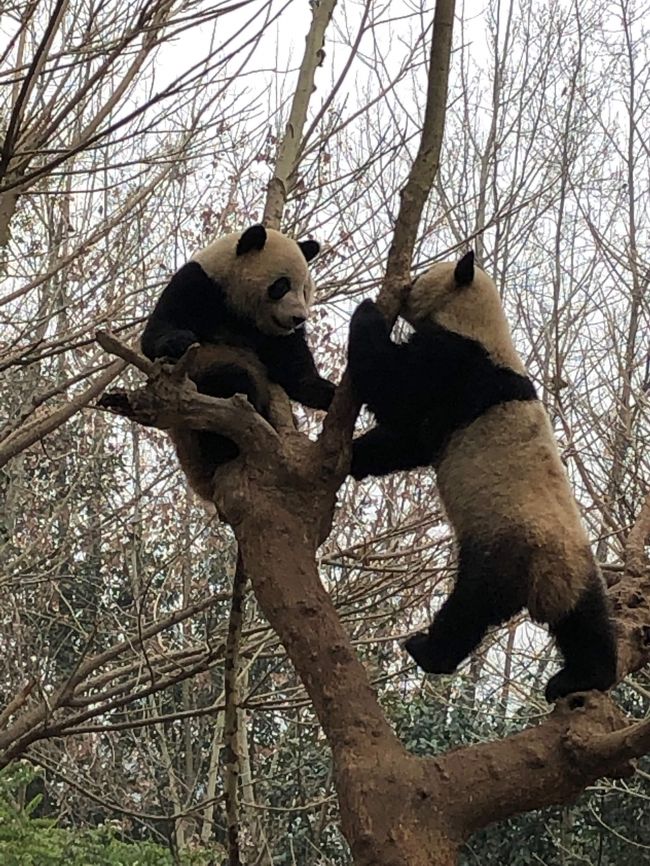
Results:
[245, 300]
[457, 397]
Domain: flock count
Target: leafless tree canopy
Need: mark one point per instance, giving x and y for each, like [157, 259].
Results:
[130, 135]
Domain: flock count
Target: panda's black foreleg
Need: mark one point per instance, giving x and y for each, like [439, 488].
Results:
[188, 311]
[315, 392]
[381, 451]
[291, 364]
[587, 641]
[484, 595]
[381, 370]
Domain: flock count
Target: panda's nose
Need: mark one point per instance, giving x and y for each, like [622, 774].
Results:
[298, 321]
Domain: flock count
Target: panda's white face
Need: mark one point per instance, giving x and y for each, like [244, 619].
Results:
[286, 306]
[265, 277]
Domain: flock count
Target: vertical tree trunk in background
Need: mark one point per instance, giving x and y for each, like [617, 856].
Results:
[207, 816]
[231, 756]
[284, 178]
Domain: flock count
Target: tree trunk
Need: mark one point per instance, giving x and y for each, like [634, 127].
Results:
[384, 796]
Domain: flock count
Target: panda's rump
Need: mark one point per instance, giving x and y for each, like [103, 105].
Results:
[502, 483]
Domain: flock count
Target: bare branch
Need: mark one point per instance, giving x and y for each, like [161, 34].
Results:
[425, 165]
[586, 738]
[44, 423]
[339, 423]
[284, 177]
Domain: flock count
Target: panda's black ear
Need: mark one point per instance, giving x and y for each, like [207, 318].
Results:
[310, 249]
[464, 273]
[253, 238]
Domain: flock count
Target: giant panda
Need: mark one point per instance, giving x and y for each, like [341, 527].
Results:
[457, 396]
[245, 299]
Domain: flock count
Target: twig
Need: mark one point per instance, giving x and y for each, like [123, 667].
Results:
[114, 347]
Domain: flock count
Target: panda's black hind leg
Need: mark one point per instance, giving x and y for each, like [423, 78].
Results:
[225, 380]
[489, 590]
[587, 641]
[458, 628]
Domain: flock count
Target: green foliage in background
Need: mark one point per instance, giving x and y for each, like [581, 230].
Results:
[26, 840]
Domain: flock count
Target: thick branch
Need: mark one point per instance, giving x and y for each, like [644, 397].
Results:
[171, 400]
[631, 602]
[340, 420]
[584, 739]
[425, 166]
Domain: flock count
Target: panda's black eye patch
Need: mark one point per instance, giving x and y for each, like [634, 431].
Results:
[279, 288]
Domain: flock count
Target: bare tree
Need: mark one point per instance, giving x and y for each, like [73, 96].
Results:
[117, 588]
[394, 808]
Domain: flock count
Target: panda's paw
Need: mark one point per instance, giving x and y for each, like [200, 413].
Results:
[366, 312]
[428, 655]
[322, 393]
[369, 338]
[367, 320]
[569, 680]
[175, 344]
